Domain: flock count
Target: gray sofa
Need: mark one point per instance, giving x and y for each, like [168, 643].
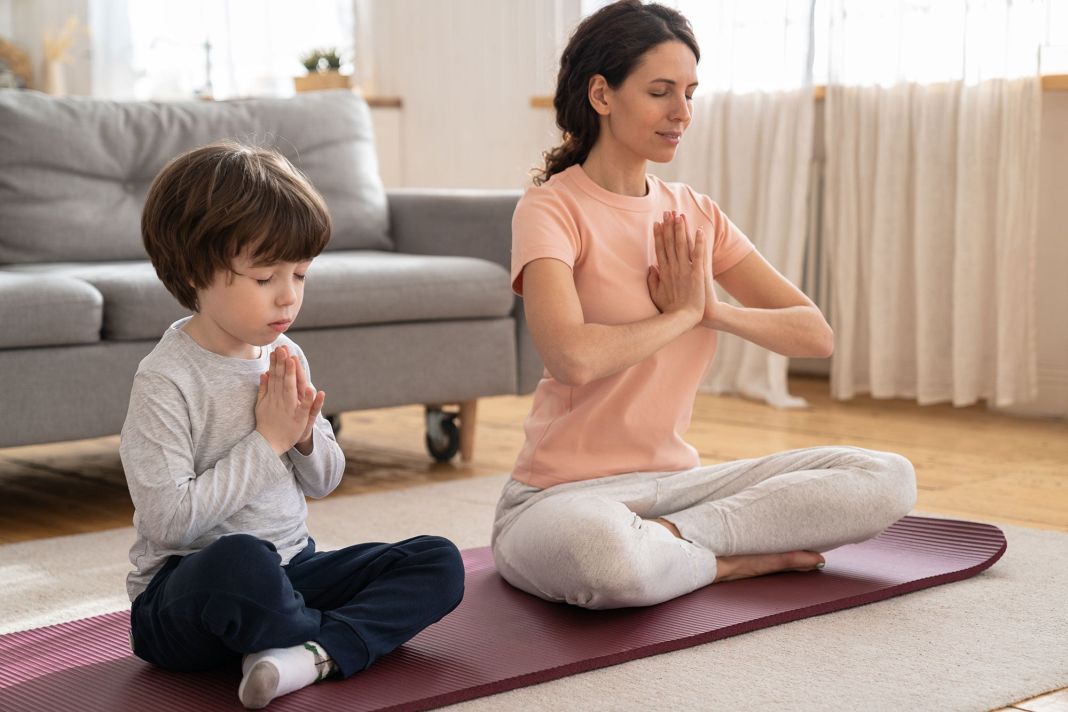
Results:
[410, 304]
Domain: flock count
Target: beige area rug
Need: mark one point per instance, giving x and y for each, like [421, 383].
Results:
[973, 645]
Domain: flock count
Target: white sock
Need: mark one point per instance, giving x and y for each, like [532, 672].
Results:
[278, 671]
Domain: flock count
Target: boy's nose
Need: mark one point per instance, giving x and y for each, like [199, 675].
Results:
[288, 295]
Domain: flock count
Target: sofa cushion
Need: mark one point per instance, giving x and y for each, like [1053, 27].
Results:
[367, 287]
[74, 171]
[48, 311]
[136, 305]
[348, 288]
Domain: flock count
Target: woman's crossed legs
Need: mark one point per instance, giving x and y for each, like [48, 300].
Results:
[598, 543]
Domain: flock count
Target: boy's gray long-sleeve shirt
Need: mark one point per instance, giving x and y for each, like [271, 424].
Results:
[196, 467]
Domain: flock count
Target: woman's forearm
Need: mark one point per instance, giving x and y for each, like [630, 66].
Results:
[595, 351]
[797, 332]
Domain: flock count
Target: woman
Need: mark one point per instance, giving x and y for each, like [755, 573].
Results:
[607, 505]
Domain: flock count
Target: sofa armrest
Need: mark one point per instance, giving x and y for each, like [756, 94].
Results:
[468, 223]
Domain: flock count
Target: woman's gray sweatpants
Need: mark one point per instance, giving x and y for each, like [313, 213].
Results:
[589, 543]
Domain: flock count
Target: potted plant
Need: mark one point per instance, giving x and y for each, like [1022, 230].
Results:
[324, 71]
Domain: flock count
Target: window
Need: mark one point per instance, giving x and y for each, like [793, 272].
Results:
[230, 48]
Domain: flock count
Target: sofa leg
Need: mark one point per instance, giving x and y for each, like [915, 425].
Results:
[468, 418]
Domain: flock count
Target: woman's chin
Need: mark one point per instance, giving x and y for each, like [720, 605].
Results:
[663, 156]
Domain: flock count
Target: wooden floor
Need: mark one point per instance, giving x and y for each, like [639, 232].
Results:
[969, 462]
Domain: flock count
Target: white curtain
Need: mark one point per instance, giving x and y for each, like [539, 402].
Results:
[750, 149]
[930, 207]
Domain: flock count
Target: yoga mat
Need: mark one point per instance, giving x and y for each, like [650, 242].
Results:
[499, 638]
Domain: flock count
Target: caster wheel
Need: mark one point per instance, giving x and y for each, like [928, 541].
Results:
[442, 434]
[335, 423]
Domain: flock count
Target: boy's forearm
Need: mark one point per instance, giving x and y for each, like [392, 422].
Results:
[175, 516]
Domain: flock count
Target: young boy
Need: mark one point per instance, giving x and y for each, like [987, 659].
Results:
[224, 439]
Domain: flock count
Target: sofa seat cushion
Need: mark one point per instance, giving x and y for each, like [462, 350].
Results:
[346, 288]
[368, 287]
[136, 304]
[44, 310]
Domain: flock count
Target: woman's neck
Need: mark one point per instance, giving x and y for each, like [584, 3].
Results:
[625, 177]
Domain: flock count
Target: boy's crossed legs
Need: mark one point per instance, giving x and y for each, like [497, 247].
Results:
[352, 606]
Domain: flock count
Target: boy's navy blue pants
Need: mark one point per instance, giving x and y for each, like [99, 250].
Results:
[233, 597]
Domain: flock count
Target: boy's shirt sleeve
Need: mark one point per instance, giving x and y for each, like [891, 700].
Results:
[176, 504]
[318, 473]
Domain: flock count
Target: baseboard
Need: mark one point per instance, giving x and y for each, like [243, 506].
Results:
[810, 367]
[1052, 400]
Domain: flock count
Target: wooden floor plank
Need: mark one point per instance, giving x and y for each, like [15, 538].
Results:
[1051, 702]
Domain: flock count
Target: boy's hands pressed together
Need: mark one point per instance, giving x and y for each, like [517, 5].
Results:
[286, 405]
[304, 445]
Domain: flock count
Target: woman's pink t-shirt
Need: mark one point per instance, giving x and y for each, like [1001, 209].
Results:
[634, 420]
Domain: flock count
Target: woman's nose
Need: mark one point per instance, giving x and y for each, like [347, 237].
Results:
[680, 110]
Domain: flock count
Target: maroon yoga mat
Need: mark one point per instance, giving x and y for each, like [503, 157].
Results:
[498, 638]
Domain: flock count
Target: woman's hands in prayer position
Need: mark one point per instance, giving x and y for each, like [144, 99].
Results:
[682, 278]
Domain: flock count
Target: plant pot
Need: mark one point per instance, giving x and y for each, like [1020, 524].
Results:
[319, 81]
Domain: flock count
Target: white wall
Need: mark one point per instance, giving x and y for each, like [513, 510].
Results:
[5, 18]
[466, 70]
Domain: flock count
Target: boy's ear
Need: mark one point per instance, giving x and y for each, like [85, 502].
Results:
[597, 94]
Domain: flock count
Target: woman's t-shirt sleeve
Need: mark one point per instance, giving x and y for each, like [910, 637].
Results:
[729, 244]
[542, 226]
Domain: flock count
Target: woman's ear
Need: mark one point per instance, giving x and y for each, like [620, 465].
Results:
[598, 94]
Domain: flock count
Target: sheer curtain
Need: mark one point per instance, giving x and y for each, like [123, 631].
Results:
[930, 206]
[750, 149]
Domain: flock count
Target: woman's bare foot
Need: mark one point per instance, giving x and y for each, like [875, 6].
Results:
[730, 568]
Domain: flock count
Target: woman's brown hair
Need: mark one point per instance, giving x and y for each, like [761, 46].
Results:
[208, 205]
[609, 42]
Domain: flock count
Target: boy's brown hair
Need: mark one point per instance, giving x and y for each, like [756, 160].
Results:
[209, 204]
